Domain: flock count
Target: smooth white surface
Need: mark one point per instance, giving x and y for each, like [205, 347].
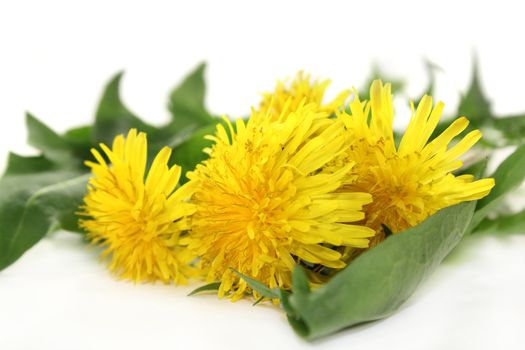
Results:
[54, 59]
[58, 297]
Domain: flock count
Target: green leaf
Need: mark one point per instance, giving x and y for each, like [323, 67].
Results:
[189, 153]
[505, 131]
[79, 136]
[506, 224]
[258, 301]
[301, 285]
[498, 131]
[477, 168]
[474, 105]
[80, 140]
[206, 288]
[32, 205]
[508, 176]
[169, 138]
[49, 142]
[380, 280]
[113, 117]
[33, 197]
[261, 288]
[62, 200]
[17, 164]
[186, 102]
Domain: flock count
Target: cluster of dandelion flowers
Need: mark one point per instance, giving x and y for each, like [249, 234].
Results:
[301, 90]
[138, 219]
[411, 181]
[263, 204]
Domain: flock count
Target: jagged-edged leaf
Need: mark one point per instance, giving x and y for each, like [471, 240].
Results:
[505, 131]
[80, 140]
[474, 104]
[32, 205]
[52, 145]
[113, 117]
[508, 176]
[186, 102]
[380, 280]
[36, 193]
[17, 164]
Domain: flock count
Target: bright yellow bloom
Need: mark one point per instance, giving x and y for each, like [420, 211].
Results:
[301, 91]
[411, 181]
[138, 219]
[263, 205]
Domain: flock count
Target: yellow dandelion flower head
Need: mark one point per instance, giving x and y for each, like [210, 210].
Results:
[263, 203]
[301, 90]
[411, 181]
[138, 219]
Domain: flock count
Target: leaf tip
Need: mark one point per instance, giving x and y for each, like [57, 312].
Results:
[29, 117]
[114, 81]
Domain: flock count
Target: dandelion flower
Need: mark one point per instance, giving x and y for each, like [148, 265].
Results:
[411, 181]
[138, 219]
[263, 205]
[302, 90]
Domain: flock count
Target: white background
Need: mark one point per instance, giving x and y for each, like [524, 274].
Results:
[55, 58]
